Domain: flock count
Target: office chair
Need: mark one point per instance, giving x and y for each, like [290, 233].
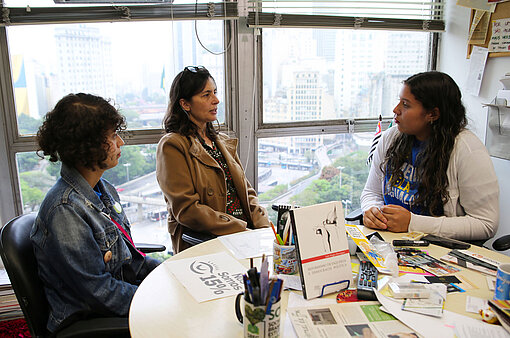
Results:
[194, 237]
[355, 216]
[19, 260]
[502, 243]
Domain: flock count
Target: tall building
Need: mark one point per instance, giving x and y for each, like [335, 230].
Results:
[407, 56]
[306, 102]
[359, 57]
[83, 53]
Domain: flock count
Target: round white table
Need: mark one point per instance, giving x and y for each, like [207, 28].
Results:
[162, 307]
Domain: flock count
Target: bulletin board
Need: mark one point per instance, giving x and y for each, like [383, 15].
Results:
[502, 11]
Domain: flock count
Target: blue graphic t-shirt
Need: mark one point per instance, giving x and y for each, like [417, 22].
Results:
[404, 191]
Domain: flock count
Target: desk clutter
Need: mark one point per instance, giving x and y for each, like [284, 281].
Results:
[384, 290]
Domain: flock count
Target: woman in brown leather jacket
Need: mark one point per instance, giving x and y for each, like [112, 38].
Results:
[198, 168]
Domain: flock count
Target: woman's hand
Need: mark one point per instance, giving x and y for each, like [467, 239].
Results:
[374, 218]
[397, 217]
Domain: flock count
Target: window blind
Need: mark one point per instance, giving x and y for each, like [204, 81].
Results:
[369, 14]
[51, 15]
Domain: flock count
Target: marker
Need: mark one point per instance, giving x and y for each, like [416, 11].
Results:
[278, 238]
[406, 242]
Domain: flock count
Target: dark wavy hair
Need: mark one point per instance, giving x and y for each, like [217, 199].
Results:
[433, 89]
[75, 131]
[185, 85]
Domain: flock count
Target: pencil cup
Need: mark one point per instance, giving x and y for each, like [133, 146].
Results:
[258, 321]
[284, 259]
[502, 289]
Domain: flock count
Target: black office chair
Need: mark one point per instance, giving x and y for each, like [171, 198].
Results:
[355, 217]
[20, 263]
[502, 243]
[194, 237]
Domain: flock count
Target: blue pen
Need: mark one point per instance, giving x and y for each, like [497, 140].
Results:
[275, 295]
[250, 289]
[457, 287]
[246, 291]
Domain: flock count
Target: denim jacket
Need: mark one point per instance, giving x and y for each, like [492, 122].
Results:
[86, 264]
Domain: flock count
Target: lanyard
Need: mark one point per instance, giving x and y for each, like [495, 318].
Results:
[124, 232]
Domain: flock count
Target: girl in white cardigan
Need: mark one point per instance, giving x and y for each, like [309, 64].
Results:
[429, 173]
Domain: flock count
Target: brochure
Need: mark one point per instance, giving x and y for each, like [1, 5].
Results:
[361, 319]
[428, 263]
[366, 247]
[472, 260]
[322, 251]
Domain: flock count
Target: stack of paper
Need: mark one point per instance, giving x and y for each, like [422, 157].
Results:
[502, 310]
[9, 306]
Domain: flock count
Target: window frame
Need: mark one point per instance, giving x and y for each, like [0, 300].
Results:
[243, 108]
[298, 128]
[13, 143]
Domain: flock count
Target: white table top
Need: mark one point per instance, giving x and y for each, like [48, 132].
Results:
[162, 307]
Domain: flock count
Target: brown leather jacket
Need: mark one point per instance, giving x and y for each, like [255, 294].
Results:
[195, 189]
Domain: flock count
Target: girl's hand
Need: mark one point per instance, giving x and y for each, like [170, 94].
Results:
[397, 217]
[374, 218]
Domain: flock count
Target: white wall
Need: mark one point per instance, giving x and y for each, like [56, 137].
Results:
[452, 60]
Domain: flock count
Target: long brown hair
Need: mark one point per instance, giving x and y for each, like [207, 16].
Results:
[434, 90]
[191, 81]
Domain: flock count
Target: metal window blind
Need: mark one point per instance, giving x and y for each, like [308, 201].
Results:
[52, 15]
[369, 14]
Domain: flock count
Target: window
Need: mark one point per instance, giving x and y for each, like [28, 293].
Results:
[313, 169]
[301, 85]
[324, 85]
[130, 62]
[125, 62]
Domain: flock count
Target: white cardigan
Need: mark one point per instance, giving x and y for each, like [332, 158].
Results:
[472, 209]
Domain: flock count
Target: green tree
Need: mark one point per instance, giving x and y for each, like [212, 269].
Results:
[53, 168]
[31, 196]
[139, 165]
[28, 125]
[34, 186]
[354, 175]
[273, 193]
[27, 161]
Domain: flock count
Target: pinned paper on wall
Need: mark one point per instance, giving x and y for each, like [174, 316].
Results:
[500, 39]
[476, 69]
[479, 27]
[483, 5]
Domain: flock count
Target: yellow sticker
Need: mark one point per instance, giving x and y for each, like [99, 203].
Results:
[117, 207]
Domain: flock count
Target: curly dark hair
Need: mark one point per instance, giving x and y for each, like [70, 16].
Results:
[434, 90]
[75, 131]
[189, 82]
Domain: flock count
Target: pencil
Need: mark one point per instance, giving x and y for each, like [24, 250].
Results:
[275, 234]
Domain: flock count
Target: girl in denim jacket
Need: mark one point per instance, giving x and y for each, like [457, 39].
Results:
[81, 237]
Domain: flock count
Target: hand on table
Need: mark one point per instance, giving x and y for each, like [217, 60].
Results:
[390, 217]
[374, 218]
[398, 218]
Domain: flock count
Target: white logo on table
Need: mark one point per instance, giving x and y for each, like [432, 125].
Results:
[209, 277]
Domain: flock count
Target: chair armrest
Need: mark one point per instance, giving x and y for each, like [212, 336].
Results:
[502, 243]
[148, 247]
[97, 328]
[194, 237]
[355, 215]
